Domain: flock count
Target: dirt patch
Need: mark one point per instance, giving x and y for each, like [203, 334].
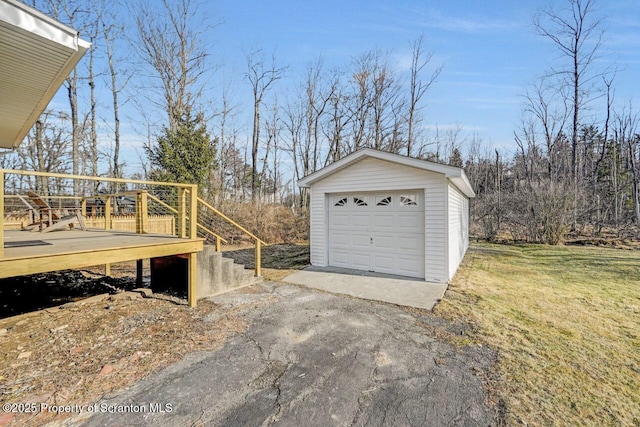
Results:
[278, 261]
[277, 257]
[80, 351]
[29, 293]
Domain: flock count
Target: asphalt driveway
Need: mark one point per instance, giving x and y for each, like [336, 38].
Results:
[310, 358]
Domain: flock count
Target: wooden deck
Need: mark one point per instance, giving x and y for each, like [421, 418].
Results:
[30, 253]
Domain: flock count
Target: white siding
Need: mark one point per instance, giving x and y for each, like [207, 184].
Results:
[435, 230]
[458, 228]
[378, 175]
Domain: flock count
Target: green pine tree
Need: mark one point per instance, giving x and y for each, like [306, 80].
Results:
[185, 155]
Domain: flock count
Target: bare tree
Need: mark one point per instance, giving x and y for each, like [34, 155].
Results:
[46, 148]
[418, 87]
[550, 118]
[171, 42]
[118, 80]
[338, 120]
[226, 153]
[577, 34]
[261, 76]
[293, 123]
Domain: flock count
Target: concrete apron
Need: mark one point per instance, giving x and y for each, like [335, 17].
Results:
[398, 290]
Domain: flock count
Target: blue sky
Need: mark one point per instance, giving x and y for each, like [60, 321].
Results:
[489, 50]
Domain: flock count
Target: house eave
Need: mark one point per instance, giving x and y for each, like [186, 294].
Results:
[38, 53]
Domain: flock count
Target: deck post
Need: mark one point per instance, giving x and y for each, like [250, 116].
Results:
[193, 277]
[218, 244]
[107, 226]
[83, 207]
[258, 259]
[182, 212]
[193, 213]
[2, 213]
[107, 213]
[142, 212]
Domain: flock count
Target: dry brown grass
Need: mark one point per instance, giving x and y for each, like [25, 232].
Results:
[566, 324]
[76, 353]
[271, 223]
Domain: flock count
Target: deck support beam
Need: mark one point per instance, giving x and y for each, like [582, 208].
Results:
[139, 272]
[193, 279]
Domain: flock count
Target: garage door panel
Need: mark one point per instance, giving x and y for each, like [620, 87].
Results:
[339, 220]
[360, 221]
[339, 239]
[409, 222]
[361, 261]
[383, 222]
[411, 243]
[384, 242]
[410, 266]
[361, 241]
[383, 263]
[339, 258]
[386, 237]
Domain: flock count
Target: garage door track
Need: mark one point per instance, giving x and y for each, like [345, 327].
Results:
[310, 358]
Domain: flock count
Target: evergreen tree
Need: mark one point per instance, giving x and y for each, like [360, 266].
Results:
[186, 154]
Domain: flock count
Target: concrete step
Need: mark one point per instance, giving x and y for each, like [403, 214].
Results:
[228, 271]
[248, 275]
[238, 273]
[217, 274]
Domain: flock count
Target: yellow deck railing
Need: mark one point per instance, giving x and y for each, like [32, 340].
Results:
[167, 198]
[145, 199]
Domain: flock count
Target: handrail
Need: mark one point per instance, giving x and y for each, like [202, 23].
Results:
[259, 241]
[218, 238]
[94, 178]
[17, 196]
[235, 224]
[160, 202]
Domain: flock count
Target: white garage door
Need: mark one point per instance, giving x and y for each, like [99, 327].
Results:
[382, 232]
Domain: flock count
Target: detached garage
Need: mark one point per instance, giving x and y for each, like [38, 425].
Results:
[387, 213]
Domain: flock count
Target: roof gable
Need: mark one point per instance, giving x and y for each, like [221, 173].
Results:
[454, 174]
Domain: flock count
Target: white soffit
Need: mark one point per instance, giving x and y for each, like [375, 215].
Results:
[37, 53]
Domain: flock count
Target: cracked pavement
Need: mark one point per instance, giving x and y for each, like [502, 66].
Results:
[310, 358]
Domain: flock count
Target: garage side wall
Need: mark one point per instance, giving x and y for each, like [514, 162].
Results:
[458, 228]
[379, 175]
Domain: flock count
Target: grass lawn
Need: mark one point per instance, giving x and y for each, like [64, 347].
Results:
[566, 324]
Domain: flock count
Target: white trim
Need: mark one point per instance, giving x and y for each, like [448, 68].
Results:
[455, 174]
[26, 18]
